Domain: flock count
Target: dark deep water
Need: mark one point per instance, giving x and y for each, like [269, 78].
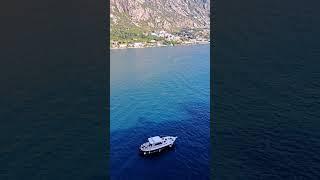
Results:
[266, 91]
[160, 91]
[53, 91]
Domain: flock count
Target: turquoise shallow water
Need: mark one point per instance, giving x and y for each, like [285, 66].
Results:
[160, 91]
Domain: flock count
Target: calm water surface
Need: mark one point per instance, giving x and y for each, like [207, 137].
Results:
[266, 91]
[160, 91]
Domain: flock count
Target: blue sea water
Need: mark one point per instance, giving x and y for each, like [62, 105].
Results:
[160, 91]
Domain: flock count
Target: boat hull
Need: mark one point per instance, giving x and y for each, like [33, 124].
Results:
[156, 151]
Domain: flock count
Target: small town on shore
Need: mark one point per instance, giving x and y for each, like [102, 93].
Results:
[163, 38]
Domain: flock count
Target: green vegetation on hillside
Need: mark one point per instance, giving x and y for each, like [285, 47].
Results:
[125, 31]
[131, 35]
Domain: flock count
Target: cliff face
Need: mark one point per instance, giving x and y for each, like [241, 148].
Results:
[166, 15]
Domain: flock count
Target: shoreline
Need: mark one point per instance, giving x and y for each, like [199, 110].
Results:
[191, 44]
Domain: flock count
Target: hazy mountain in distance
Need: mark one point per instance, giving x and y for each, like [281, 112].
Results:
[169, 15]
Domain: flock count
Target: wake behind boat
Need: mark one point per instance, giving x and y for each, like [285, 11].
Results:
[157, 144]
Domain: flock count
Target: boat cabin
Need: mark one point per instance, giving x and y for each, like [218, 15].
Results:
[156, 140]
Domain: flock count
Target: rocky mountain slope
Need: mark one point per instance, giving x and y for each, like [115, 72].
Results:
[150, 15]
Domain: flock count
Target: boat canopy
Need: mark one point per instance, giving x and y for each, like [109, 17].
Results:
[154, 140]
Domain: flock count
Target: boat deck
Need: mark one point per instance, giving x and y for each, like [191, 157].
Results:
[166, 141]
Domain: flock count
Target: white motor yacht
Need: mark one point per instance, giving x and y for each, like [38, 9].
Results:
[157, 144]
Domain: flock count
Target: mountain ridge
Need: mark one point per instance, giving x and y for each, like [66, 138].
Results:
[155, 15]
